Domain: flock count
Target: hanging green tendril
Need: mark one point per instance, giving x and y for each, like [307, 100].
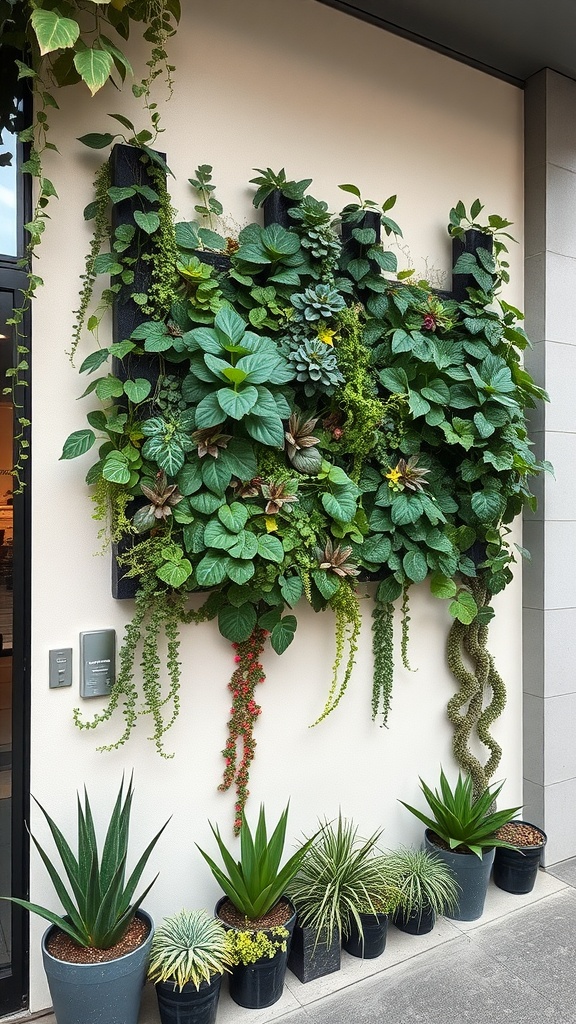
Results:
[383, 651]
[405, 627]
[101, 232]
[348, 624]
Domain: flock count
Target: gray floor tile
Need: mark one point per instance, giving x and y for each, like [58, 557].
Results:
[461, 984]
[537, 946]
[565, 870]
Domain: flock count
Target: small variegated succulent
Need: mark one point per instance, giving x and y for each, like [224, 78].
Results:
[209, 440]
[316, 367]
[277, 495]
[301, 444]
[407, 474]
[335, 559]
[318, 303]
[163, 496]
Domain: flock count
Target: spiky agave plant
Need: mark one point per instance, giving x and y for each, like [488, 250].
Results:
[100, 905]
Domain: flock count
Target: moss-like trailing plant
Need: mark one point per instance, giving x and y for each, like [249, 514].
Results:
[264, 471]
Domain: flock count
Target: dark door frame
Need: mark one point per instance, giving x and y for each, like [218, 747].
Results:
[13, 278]
[14, 985]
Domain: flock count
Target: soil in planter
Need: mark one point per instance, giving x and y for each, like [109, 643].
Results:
[276, 917]
[520, 834]
[62, 947]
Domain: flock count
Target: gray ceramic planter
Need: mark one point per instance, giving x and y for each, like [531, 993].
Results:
[104, 993]
[472, 875]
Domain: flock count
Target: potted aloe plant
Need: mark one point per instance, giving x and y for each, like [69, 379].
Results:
[428, 888]
[342, 891]
[462, 832]
[188, 957]
[95, 954]
[255, 902]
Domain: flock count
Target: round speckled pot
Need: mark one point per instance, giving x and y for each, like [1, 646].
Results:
[105, 993]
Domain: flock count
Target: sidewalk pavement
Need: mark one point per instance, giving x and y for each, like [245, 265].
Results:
[516, 964]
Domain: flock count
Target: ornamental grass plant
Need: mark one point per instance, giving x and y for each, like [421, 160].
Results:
[341, 876]
[426, 883]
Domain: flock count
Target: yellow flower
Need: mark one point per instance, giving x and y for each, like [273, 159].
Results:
[326, 336]
[393, 476]
[271, 524]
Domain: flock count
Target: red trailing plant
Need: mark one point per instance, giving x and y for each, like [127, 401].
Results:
[243, 714]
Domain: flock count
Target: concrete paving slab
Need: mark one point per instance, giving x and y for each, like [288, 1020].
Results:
[456, 983]
[537, 946]
[566, 871]
[499, 903]
[399, 947]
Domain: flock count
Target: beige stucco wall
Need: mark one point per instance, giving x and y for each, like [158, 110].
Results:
[261, 83]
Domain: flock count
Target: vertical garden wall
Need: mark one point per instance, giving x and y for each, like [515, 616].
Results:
[337, 101]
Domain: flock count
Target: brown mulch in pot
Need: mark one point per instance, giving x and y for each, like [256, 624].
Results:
[520, 834]
[62, 947]
[279, 915]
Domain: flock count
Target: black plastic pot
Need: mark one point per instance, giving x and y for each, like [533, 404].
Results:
[191, 1005]
[261, 984]
[415, 923]
[275, 208]
[472, 875]
[309, 959]
[516, 871]
[373, 942]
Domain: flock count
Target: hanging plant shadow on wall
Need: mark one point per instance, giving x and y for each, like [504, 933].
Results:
[285, 414]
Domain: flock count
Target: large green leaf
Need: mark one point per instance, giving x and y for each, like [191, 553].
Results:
[175, 573]
[291, 588]
[266, 430]
[216, 474]
[234, 516]
[464, 608]
[415, 566]
[282, 634]
[147, 222]
[270, 548]
[209, 413]
[488, 505]
[240, 571]
[211, 569]
[327, 583]
[53, 32]
[78, 443]
[246, 545]
[441, 586]
[137, 390]
[237, 404]
[217, 536]
[94, 67]
[229, 324]
[236, 624]
[406, 508]
[340, 503]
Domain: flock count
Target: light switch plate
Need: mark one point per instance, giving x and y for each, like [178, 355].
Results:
[60, 667]
[97, 662]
